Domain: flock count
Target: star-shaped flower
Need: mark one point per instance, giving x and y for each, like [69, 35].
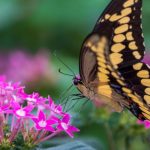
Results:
[42, 123]
[64, 125]
[21, 112]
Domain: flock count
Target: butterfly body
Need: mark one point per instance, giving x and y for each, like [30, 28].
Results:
[111, 69]
[100, 100]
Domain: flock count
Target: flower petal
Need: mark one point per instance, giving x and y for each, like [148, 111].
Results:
[51, 122]
[49, 128]
[69, 133]
[147, 124]
[73, 129]
[66, 118]
[41, 115]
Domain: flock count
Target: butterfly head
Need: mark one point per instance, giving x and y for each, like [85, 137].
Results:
[77, 80]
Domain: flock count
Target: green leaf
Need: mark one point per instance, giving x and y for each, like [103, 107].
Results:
[76, 145]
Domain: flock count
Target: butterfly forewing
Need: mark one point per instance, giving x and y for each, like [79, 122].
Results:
[111, 55]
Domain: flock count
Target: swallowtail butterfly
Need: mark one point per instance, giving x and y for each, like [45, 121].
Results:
[111, 67]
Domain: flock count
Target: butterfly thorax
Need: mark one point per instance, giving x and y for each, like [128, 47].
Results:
[77, 81]
[99, 100]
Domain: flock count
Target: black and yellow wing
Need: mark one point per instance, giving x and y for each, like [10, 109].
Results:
[111, 55]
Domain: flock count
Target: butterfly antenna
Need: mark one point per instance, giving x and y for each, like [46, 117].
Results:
[64, 64]
[65, 73]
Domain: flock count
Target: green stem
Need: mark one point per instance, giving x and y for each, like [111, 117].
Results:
[127, 143]
[47, 137]
[110, 137]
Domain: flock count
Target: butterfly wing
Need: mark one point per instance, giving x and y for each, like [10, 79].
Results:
[119, 16]
[113, 50]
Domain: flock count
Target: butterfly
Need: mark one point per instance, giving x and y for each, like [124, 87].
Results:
[111, 69]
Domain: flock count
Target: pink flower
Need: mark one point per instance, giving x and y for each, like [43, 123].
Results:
[55, 109]
[21, 111]
[64, 125]
[32, 97]
[146, 123]
[42, 123]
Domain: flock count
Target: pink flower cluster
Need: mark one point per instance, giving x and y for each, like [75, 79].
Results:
[146, 123]
[20, 65]
[35, 117]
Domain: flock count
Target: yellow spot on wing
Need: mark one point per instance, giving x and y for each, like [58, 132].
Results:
[132, 46]
[117, 47]
[137, 66]
[121, 82]
[103, 70]
[115, 58]
[102, 64]
[93, 48]
[122, 29]
[144, 109]
[137, 55]
[143, 74]
[128, 3]
[100, 54]
[109, 67]
[115, 17]
[145, 82]
[147, 99]
[126, 90]
[135, 99]
[119, 38]
[100, 50]
[124, 13]
[101, 46]
[129, 36]
[114, 74]
[147, 91]
[105, 90]
[124, 20]
[102, 60]
[103, 77]
[107, 16]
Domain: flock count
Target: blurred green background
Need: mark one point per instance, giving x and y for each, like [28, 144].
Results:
[60, 26]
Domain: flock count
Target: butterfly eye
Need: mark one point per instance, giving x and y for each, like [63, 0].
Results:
[76, 80]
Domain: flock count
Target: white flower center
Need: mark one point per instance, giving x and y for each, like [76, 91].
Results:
[64, 125]
[42, 123]
[31, 99]
[9, 87]
[6, 101]
[21, 112]
[40, 107]
[56, 111]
